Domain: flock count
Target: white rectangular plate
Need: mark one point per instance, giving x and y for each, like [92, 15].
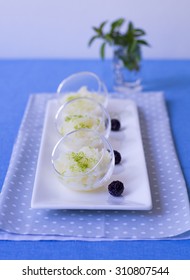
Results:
[49, 193]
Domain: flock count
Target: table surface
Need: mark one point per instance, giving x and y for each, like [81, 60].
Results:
[20, 78]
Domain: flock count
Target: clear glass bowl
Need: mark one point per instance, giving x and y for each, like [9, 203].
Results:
[82, 113]
[82, 84]
[83, 160]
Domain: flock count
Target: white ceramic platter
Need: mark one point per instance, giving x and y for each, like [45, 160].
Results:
[49, 193]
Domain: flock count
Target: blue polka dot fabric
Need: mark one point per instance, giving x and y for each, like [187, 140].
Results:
[169, 218]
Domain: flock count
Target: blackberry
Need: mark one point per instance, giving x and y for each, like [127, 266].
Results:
[117, 157]
[115, 125]
[116, 188]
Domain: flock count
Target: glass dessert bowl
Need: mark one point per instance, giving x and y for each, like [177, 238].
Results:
[82, 84]
[83, 160]
[82, 113]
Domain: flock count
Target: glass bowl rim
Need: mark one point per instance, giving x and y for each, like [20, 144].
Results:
[61, 108]
[104, 141]
[82, 73]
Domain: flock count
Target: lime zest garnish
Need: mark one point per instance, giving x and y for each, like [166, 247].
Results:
[61, 131]
[82, 125]
[98, 121]
[71, 97]
[81, 162]
[73, 117]
[62, 173]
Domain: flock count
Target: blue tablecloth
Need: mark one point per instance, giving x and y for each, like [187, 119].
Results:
[20, 78]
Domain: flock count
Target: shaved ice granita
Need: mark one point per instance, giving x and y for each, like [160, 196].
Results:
[82, 92]
[82, 84]
[83, 160]
[82, 113]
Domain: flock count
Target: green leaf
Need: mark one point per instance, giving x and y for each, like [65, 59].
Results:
[102, 50]
[117, 23]
[133, 46]
[142, 42]
[102, 24]
[130, 27]
[139, 32]
[92, 39]
[108, 38]
[97, 30]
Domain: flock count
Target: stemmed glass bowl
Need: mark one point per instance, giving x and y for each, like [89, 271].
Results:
[80, 113]
[82, 84]
[83, 160]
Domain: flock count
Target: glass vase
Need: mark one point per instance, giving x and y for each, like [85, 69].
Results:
[123, 78]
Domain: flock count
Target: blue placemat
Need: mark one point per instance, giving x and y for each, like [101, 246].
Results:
[169, 218]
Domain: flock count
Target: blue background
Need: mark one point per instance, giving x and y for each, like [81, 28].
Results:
[20, 78]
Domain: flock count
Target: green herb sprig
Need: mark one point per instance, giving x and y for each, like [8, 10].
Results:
[128, 42]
